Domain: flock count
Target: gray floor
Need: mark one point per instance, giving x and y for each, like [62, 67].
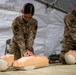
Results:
[52, 69]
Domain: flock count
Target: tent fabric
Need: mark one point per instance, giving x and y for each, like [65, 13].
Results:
[50, 26]
[67, 5]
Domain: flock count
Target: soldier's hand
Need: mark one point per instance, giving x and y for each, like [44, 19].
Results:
[28, 53]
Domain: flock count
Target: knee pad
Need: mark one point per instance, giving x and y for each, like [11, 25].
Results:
[3, 65]
[70, 59]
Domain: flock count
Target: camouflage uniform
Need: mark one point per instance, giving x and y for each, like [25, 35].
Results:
[69, 40]
[24, 35]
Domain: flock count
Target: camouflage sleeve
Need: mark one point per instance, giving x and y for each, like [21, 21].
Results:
[65, 41]
[32, 34]
[71, 24]
[18, 36]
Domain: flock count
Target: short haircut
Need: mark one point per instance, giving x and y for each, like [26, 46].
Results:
[28, 8]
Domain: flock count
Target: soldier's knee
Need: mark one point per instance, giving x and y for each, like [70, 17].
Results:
[61, 58]
[17, 55]
[70, 59]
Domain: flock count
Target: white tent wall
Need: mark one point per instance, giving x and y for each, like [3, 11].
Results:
[50, 26]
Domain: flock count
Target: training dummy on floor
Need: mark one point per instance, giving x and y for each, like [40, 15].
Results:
[26, 63]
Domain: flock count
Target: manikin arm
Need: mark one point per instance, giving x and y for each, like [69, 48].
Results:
[37, 61]
[8, 58]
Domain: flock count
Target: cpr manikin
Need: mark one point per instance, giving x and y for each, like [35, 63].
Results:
[26, 63]
[70, 57]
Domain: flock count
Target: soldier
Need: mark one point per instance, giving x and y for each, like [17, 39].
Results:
[69, 40]
[24, 30]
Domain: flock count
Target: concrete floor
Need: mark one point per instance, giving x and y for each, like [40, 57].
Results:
[52, 69]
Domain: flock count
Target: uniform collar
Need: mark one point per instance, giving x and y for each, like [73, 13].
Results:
[22, 20]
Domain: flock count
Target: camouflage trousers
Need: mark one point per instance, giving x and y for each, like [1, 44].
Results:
[14, 49]
[67, 44]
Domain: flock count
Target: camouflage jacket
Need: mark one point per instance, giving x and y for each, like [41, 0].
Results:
[24, 33]
[70, 26]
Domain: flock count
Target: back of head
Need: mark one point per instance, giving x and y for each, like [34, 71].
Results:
[28, 8]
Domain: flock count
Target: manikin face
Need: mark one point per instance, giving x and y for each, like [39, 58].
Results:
[27, 17]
